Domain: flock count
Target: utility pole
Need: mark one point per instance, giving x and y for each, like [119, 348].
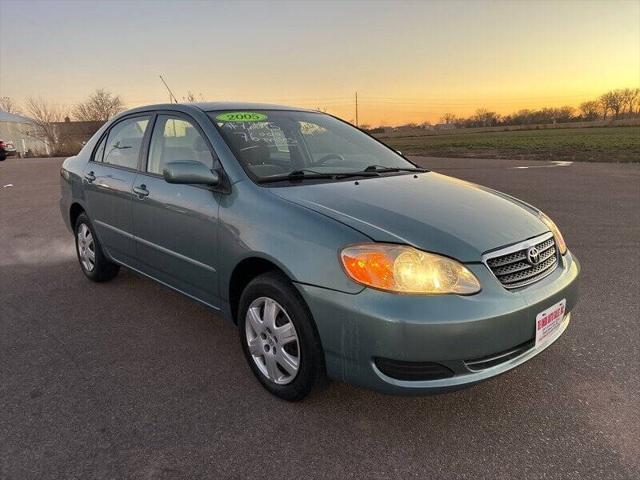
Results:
[356, 109]
[172, 97]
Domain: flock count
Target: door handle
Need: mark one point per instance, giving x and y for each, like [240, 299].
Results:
[90, 177]
[141, 191]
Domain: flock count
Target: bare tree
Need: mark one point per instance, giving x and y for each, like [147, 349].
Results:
[9, 105]
[448, 118]
[44, 116]
[629, 97]
[605, 102]
[564, 114]
[485, 118]
[590, 110]
[612, 102]
[191, 97]
[618, 102]
[521, 117]
[99, 107]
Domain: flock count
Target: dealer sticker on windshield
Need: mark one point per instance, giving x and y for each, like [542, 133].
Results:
[550, 321]
[241, 117]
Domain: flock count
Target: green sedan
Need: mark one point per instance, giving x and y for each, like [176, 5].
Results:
[333, 254]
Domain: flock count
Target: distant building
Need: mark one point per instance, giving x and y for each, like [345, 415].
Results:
[72, 136]
[445, 126]
[19, 130]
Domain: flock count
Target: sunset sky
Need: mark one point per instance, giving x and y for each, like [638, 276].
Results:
[409, 61]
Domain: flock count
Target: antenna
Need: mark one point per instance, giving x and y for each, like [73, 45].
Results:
[172, 97]
[356, 109]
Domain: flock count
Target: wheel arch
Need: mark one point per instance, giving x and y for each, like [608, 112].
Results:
[75, 210]
[245, 271]
[251, 267]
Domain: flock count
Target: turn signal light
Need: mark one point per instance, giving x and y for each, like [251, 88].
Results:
[404, 269]
[562, 246]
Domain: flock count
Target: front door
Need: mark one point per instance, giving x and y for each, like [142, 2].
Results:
[108, 180]
[176, 226]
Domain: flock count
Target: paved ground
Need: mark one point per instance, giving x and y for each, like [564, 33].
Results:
[131, 380]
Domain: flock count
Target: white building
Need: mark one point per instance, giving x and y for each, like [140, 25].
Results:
[19, 130]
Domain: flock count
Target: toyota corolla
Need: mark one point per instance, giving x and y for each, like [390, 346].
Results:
[333, 254]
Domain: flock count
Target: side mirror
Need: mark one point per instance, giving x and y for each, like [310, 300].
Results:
[190, 172]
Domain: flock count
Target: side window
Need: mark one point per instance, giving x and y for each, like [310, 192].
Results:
[124, 142]
[99, 152]
[176, 139]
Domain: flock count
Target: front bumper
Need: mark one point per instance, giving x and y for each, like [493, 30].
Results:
[449, 330]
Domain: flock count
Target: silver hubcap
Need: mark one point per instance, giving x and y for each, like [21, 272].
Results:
[272, 340]
[86, 248]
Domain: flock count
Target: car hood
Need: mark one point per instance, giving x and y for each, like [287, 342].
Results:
[430, 211]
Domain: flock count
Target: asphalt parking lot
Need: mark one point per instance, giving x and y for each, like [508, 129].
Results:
[131, 380]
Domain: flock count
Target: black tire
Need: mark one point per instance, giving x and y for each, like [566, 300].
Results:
[3, 157]
[103, 270]
[278, 287]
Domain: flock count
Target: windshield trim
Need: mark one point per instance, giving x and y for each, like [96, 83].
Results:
[257, 180]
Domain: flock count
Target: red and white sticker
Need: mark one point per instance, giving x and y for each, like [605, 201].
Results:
[549, 321]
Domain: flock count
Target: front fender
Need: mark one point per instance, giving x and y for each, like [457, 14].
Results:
[302, 243]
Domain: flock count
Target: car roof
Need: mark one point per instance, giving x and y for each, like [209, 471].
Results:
[209, 106]
[213, 106]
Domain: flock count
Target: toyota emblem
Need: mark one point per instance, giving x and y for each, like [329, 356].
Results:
[533, 256]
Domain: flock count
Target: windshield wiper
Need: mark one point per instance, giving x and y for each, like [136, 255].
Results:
[307, 174]
[383, 169]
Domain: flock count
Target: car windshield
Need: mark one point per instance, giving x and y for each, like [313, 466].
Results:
[275, 145]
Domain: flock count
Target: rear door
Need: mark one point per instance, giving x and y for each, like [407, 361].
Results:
[108, 182]
[176, 226]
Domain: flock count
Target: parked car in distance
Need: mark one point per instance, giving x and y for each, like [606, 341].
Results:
[333, 254]
[7, 150]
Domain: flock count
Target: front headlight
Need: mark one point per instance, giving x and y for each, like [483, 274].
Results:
[404, 269]
[562, 246]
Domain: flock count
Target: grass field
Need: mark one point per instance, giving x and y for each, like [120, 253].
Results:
[613, 144]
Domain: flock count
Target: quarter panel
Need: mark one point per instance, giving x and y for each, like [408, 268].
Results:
[71, 188]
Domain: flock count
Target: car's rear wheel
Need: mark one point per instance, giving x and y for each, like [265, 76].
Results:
[92, 260]
[279, 338]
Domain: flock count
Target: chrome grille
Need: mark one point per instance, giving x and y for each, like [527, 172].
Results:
[512, 268]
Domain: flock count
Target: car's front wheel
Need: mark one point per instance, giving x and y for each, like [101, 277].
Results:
[92, 260]
[278, 337]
